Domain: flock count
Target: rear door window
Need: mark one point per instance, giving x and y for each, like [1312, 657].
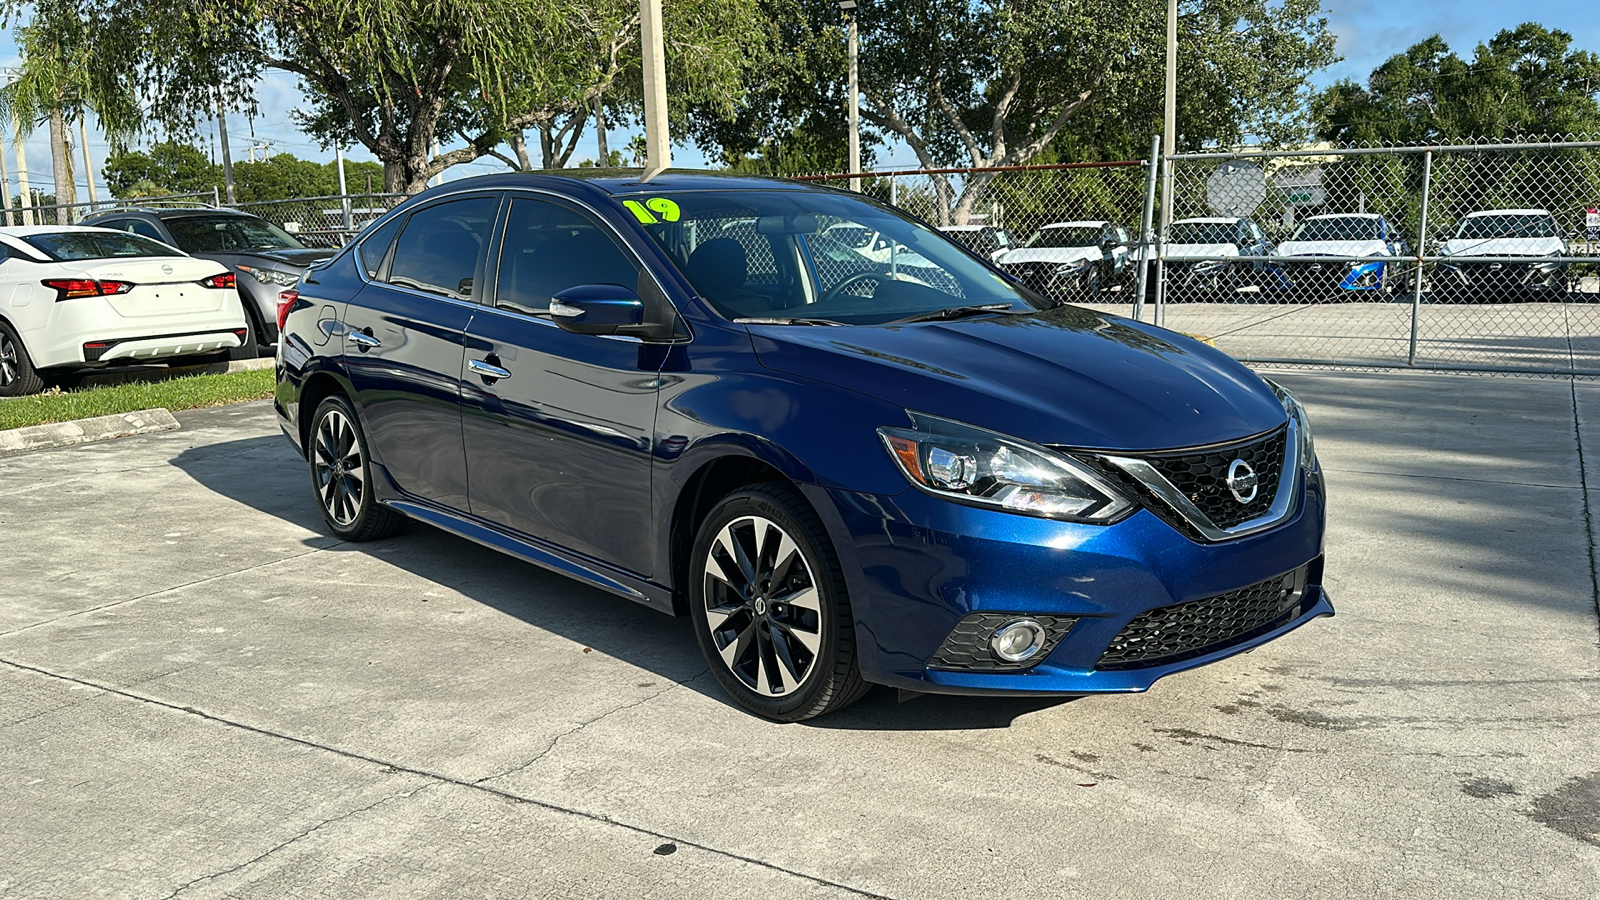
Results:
[375, 246]
[141, 227]
[440, 249]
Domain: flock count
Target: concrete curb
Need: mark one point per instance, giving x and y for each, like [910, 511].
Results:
[85, 431]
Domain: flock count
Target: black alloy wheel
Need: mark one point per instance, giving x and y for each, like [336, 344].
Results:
[341, 475]
[770, 609]
[17, 375]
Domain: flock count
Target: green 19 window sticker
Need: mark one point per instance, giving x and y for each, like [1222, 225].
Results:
[647, 211]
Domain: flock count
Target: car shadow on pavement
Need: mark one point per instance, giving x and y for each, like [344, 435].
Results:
[265, 474]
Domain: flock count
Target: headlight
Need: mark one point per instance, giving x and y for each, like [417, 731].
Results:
[1077, 265]
[1302, 423]
[270, 276]
[976, 466]
[1210, 265]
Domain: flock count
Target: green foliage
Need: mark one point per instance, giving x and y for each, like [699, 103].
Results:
[168, 168]
[1526, 83]
[171, 392]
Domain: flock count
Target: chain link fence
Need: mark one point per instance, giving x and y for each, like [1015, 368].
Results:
[324, 221]
[1465, 257]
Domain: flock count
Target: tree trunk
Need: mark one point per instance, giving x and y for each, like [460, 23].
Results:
[61, 166]
[519, 145]
[604, 160]
[976, 187]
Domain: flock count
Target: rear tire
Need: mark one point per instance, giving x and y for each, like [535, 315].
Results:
[770, 608]
[18, 377]
[251, 348]
[341, 475]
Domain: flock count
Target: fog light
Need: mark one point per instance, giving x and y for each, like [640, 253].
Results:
[1017, 640]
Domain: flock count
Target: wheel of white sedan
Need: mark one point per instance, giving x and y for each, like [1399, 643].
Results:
[341, 475]
[770, 608]
[17, 375]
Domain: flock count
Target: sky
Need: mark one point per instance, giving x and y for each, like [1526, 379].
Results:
[1368, 31]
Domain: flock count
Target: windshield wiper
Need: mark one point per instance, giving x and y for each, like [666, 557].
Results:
[962, 312]
[782, 320]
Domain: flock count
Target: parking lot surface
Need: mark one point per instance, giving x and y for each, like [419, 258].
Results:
[203, 695]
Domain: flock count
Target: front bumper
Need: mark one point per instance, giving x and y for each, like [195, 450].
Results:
[918, 565]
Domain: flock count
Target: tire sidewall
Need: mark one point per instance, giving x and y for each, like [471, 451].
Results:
[364, 510]
[818, 680]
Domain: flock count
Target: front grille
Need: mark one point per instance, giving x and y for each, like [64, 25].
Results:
[1175, 633]
[967, 646]
[1202, 475]
[1316, 279]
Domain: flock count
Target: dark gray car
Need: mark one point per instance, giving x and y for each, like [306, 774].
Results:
[266, 258]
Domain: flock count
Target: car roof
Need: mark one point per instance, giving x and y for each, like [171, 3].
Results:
[967, 227]
[25, 230]
[1209, 220]
[1507, 212]
[173, 212]
[1344, 216]
[626, 181]
[1082, 224]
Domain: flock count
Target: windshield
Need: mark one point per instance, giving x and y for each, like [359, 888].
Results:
[806, 255]
[64, 246]
[1507, 226]
[1069, 236]
[1345, 228]
[226, 234]
[1201, 233]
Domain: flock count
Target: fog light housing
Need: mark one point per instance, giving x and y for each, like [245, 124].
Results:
[1017, 640]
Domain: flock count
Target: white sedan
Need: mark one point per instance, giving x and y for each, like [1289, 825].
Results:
[74, 297]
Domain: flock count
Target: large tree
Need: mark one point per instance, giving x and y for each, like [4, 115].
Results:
[1526, 83]
[995, 82]
[395, 75]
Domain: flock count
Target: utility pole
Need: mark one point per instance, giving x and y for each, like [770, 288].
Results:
[5, 189]
[88, 163]
[1169, 141]
[23, 191]
[344, 193]
[657, 142]
[854, 162]
[227, 155]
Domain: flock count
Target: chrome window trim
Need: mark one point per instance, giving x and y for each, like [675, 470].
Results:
[1282, 502]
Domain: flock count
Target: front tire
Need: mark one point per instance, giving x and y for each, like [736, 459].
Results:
[341, 475]
[770, 609]
[18, 377]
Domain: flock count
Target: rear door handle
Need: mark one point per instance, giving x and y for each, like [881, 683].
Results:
[487, 369]
[364, 340]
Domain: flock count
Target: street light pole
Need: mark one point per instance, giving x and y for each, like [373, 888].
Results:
[657, 141]
[854, 163]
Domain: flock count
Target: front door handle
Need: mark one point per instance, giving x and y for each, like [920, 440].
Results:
[488, 370]
[364, 340]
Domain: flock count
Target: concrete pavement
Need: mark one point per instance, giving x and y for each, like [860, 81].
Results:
[202, 694]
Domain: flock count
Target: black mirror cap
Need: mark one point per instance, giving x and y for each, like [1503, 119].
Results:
[597, 309]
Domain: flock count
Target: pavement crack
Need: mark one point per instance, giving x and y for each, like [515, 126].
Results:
[299, 837]
[1588, 509]
[582, 725]
[447, 779]
[159, 591]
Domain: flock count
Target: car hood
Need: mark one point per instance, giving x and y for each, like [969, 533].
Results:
[1333, 248]
[1062, 376]
[1201, 251]
[1503, 246]
[1049, 254]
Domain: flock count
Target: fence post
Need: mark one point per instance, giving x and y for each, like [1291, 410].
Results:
[1146, 231]
[894, 190]
[1422, 246]
[1168, 171]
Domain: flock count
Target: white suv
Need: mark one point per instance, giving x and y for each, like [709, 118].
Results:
[74, 297]
[1531, 248]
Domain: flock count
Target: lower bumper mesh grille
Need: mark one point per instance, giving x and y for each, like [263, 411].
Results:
[1175, 633]
[967, 646]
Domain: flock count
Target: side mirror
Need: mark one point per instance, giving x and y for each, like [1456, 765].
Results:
[597, 309]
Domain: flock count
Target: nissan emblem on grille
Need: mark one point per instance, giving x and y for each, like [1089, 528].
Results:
[1241, 481]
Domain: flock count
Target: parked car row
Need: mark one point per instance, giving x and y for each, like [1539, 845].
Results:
[1490, 255]
[175, 286]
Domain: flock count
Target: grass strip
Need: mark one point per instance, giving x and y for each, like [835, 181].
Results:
[188, 392]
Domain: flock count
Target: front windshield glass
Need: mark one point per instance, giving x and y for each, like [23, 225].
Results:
[64, 246]
[1067, 236]
[1344, 228]
[228, 234]
[1201, 233]
[805, 255]
[1507, 226]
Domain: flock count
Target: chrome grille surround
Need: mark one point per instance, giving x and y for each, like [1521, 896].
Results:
[1151, 478]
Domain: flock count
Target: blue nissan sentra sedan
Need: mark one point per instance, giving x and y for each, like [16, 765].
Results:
[849, 465]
